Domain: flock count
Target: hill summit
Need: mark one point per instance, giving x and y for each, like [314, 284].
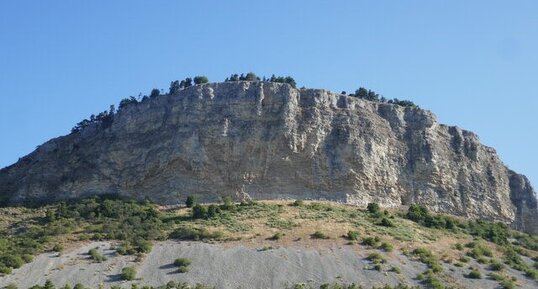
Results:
[267, 140]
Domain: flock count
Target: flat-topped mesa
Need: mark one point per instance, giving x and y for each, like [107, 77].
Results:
[266, 140]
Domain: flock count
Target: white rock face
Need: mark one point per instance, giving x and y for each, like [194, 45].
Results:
[269, 141]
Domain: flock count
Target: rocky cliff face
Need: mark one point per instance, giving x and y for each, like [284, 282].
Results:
[266, 141]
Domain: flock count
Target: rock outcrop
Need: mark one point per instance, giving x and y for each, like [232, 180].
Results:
[265, 140]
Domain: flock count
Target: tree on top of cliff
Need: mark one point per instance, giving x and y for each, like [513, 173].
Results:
[174, 87]
[154, 92]
[200, 79]
[281, 79]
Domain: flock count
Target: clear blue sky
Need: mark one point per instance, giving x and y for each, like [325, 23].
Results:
[473, 63]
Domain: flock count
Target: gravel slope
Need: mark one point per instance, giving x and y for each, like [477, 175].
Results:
[233, 267]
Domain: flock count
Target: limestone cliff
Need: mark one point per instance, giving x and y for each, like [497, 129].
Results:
[265, 140]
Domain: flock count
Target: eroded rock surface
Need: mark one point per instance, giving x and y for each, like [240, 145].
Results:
[268, 141]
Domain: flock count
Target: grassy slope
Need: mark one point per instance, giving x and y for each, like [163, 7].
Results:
[26, 232]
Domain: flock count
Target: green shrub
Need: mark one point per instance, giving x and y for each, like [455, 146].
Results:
[375, 258]
[5, 269]
[11, 286]
[478, 250]
[531, 273]
[58, 248]
[371, 241]
[352, 235]
[482, 260]
[432, 281]
[27, 258]
[96, 256]
[507, 284]
[496, 265]
[429, 259]
[128, 273]
[474, 274]
[191, 201]
[213, 211]
[496, 277]
[395, 270]
[373, 209]
[377, 267]
[11, 261]
[319, 235]
[183, 269]
[417, 213]
[386, 222]
[387, 247]
[458, 246]
[182, 262]
[227, 204]
[199, 212]
[195, 234]
[143, 246]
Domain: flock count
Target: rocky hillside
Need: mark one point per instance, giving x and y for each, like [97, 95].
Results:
[264, 140]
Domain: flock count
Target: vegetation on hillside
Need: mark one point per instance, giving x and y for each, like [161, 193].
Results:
[25, 232]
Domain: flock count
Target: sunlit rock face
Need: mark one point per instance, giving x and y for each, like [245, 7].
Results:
[264, 140]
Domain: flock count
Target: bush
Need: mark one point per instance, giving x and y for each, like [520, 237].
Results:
[395, 269]
[183, 269]
[5, 269]
[182, 262]
[432, 281]
[385, 222]
[375, 258]
[371, 241]
[475, 274]
[227, 204]
[213, 211]
[128, 273]
[387, 247]
[352, 235]
[195, 234]
[319, 235]
[429, 259]
[11, 261]
[507, 284]
[199, 212]
[496, 266]
[373, 208]
[191, 201]
[58, 248]
[96, 256]
[478, 250]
